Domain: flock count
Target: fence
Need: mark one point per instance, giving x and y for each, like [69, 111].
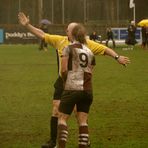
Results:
[103, 12]
[95, 14]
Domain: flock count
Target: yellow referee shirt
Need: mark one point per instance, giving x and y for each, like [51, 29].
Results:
[60, 42]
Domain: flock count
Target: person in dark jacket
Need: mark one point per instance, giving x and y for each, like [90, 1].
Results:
[94, 36]
[110, 36]
[131, 37]
[144, 31]
[43, 44]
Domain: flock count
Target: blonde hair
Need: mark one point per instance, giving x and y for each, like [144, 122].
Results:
[79, 33]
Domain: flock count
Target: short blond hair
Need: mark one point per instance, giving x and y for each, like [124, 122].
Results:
[79, 33]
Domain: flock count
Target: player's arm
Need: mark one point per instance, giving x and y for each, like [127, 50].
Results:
[24, 21]
[121, 59]
[64, 63]
[64, 68]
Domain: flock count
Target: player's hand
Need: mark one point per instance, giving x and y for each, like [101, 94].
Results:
[124, 60]
[23, 19]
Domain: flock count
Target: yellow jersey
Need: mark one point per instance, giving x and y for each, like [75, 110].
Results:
[60, 42]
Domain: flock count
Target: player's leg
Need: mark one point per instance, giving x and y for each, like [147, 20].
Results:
[83, 107]
[65, 108]
[53, 126]
[76, 116]
[83, 130]
[54, 117]
[62, 130]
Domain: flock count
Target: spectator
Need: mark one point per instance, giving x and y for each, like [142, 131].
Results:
[144, 31]
[94, 36]
[131, 39]
[110, 36]
[43, 44]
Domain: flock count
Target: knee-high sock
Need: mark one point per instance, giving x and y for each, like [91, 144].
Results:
[53, 128]
[83, 136]
[62, 135]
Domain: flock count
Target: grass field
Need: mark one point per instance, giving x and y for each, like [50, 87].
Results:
[118, 116]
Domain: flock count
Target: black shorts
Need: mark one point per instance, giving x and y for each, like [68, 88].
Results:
[58, 85]
[81, 99]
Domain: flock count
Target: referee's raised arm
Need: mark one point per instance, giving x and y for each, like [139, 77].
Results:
[24, 21]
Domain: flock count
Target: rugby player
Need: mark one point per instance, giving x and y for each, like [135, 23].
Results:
[59, 43]
[76, 71]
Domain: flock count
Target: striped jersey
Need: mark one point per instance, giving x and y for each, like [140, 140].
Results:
[60, 42]
[81, 61]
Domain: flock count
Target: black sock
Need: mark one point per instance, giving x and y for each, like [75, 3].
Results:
[53, 128]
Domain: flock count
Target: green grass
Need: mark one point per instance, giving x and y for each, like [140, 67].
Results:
[118, 116]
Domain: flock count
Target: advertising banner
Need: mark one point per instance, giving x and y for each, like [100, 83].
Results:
[1, 36]
[20, 36]
[121, 33]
